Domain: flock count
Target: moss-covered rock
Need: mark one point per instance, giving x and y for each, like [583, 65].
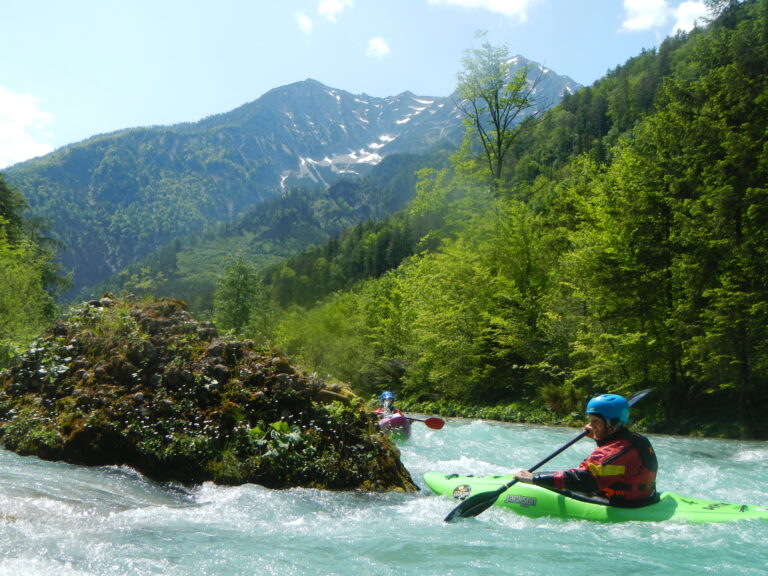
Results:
[148, 386]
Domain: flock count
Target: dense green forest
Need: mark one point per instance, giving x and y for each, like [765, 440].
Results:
[625, 249]
[620, 244]
[29, 273]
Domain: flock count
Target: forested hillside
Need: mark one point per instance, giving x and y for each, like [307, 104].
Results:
[114, 199]
[626, 249]
[267, 234]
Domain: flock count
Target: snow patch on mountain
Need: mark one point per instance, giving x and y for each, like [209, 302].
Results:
[332, 132]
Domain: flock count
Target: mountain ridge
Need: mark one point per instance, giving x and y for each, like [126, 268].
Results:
[114, 198]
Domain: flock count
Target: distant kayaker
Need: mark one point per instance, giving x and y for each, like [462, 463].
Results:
[387, 405]
[621, 469]
[390, 418]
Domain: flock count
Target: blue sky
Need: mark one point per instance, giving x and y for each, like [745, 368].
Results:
[72, 69]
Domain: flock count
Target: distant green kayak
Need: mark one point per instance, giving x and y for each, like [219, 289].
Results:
[536, 502]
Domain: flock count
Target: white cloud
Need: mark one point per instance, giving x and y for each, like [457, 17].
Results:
[641, 15]
[332, 8]
[645, 14]
[377, 48]
[304, 22]
[23, 128]
[688, 14]
[510, 8]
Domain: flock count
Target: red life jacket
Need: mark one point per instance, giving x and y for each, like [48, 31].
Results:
[624, 468]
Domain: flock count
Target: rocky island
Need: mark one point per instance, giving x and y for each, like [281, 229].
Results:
[117, 382]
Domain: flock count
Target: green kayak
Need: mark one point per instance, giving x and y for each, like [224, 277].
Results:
[535, 502]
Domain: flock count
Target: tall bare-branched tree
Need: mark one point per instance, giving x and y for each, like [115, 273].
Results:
[494, 102]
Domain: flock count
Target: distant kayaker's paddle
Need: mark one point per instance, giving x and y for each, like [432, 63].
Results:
[479, 503]
[434, 423]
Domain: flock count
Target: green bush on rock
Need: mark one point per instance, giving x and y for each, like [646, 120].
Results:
[146, 385]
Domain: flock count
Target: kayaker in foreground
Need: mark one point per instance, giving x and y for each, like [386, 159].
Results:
[621, 469]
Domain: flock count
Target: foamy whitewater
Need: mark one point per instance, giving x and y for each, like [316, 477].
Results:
[64, 520]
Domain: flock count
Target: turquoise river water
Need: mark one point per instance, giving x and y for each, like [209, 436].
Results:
[63, 520]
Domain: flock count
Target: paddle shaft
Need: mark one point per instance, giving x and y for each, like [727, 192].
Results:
[547, 459]
[562, 448]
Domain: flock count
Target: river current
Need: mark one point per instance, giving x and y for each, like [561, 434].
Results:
[63, 520]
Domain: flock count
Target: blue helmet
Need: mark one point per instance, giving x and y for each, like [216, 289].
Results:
[387, 396]
[614, 409]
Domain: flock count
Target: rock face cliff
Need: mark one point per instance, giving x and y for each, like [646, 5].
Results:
[148, 386]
